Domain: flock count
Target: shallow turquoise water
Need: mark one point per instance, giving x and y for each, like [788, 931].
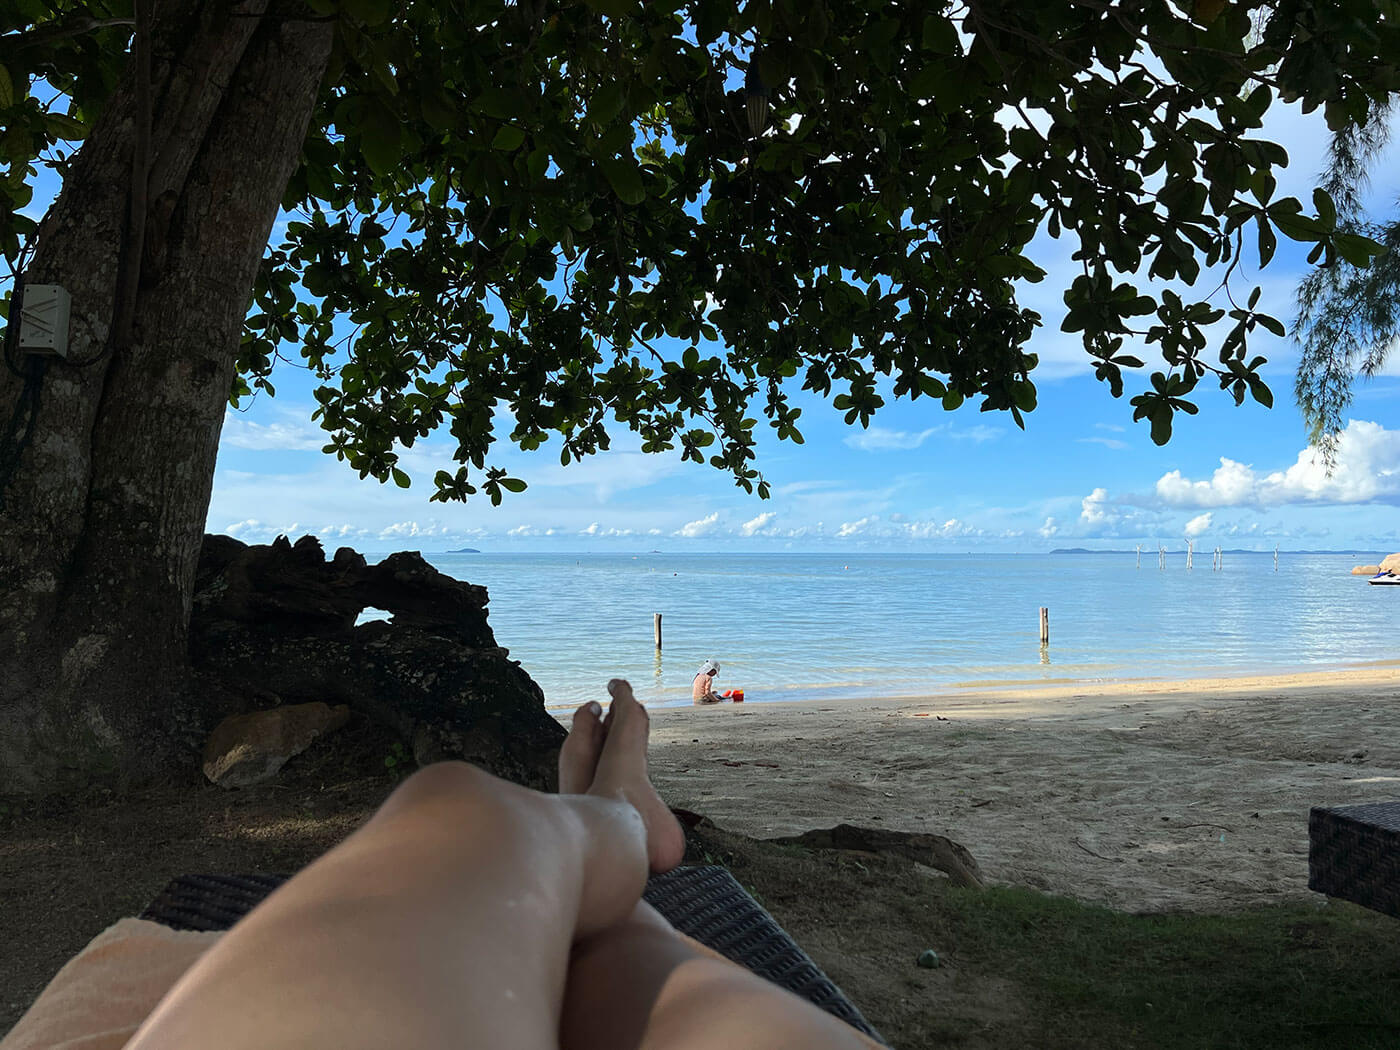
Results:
[803, 626]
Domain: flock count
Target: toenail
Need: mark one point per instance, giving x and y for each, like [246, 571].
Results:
[594, 708]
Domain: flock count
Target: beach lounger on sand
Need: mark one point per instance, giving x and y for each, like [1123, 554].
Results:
[1354, 854]
[703, 902]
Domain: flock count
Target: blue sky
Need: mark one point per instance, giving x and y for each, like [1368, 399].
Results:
[920, 479]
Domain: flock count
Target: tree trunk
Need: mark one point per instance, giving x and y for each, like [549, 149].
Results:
[103, 521]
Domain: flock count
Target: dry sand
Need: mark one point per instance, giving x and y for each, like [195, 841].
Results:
[1143, 796]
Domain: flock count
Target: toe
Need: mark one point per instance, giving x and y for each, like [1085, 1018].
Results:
[578, 756]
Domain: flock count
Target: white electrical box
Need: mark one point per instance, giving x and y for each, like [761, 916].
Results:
[44, 320]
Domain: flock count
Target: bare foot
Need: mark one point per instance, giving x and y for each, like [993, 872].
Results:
[578, 756]
[622, 773]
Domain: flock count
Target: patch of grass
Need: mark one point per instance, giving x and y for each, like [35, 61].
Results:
[1032, 971]
[1294, 977]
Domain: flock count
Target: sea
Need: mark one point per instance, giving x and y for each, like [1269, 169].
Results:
[838, 627]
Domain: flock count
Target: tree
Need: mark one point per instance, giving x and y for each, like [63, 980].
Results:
[545, 219]
[1348, 314]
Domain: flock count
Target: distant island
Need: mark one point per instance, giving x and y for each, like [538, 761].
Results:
[465, 550]
[1182, 550]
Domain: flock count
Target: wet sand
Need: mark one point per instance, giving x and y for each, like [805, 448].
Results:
[1144, 796]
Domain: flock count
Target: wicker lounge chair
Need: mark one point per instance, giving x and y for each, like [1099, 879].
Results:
[1354, 854]
[705, 903]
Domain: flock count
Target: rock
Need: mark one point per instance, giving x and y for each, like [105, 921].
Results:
[929, 960]
[280, 619]
[1365, 570]
[936, 851]
[249, 748]
[1390, 562]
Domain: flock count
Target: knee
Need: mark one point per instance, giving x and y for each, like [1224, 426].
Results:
[442, 784]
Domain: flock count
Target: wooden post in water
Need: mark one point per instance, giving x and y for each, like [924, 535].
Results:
[1139, 555]
[1044, 626]
[1190, 549]
[656, 628]
[1276, 558]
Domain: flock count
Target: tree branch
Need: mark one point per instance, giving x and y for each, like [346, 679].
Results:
[48, 33]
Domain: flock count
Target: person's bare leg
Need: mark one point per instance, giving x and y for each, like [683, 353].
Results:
[638, 984]
[446, 920]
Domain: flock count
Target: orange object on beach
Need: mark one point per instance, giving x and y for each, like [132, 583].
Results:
[737, 695]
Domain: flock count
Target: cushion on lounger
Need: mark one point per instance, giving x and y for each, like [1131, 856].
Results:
[102, 994]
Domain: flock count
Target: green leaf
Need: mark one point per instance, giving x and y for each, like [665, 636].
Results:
[606, 102]
[611, 8]
[400, 478]
[625, 178]
[1261, 393]
[1161, 425]
[1268, 242]
[381, 138]
[1356, 249]
[1326, 210]
[513, 484]
[62, 126]
[508, 138]
[369, 12]
[7, 89]
[940, 35]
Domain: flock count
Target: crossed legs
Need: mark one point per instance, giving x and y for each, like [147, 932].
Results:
[471, 911]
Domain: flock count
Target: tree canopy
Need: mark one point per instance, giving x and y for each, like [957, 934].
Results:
[527, 220]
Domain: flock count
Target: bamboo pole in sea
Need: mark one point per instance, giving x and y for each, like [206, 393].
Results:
[656, 628]
[1044, 626]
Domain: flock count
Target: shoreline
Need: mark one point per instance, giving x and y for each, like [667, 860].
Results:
[1158, 795]
[991, 689]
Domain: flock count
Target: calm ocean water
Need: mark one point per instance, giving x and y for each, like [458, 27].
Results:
[830, 626]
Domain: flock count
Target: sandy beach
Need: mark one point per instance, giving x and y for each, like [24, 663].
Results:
[1143, 796]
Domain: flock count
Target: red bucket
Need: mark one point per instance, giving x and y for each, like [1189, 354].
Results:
[737, 696]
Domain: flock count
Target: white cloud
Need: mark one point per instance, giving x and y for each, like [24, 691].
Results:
[1112, 443]
[404, 530]
[1114, 427]
[703, 527]
[1049, 528]
[282, 437]
[930, 530]
[855, 528]
[1198, 524]
[882, 439]
[756, 525]
[1367, 471]
[978, 433]
[598, 531]
[1093, 508]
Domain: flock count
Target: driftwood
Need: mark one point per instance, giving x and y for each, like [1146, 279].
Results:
[936, 851]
